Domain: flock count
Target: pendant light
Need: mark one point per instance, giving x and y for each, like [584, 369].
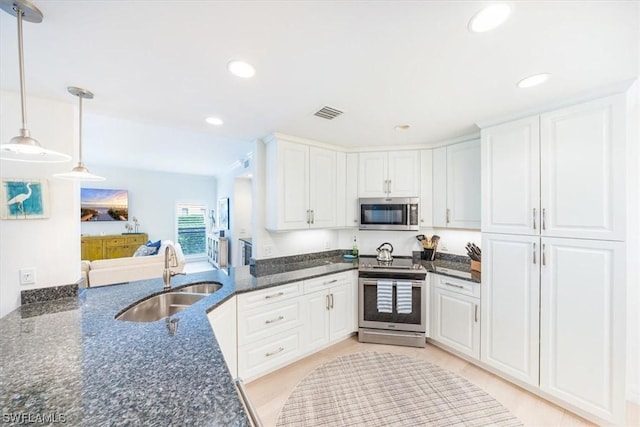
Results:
[80, 172]
[24, 148]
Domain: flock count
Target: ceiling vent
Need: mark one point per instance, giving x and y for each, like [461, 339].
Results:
[328, 113]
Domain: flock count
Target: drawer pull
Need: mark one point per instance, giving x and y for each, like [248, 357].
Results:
[279, 294]
[277, 319]
[330, 282]
[272, 353]
[455, 286]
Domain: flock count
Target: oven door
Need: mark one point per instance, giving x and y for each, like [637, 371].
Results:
[370, 317]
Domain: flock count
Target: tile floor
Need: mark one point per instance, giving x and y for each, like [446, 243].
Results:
[270, 392]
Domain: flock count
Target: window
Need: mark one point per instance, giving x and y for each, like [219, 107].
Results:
[192, 228]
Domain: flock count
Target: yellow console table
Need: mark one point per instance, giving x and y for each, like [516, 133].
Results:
[113, 246]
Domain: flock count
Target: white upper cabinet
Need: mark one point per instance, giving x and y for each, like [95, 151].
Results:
[389, 174]
[582, 170]
[351, 198]
[510, 177]
[456, 185]
[302, 186]
[555, 174]
[426, 188]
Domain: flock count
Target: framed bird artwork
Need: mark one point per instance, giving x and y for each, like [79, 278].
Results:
[24, 199]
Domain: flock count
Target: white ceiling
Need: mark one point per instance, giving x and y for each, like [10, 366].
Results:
[160, 66]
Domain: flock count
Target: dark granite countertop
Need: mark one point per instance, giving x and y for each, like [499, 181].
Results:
[69, 359]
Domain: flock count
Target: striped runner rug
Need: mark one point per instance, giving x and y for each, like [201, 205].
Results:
[384, 389]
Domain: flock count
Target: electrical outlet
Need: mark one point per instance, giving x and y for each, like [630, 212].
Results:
[27, 276]
[268, 250]
[442, 246]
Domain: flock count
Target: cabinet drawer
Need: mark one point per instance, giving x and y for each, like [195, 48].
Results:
[267, 296]
[463, 287]
[118, 241]
[325, 282]
[262, 322]
[263, 356]
[136, 240]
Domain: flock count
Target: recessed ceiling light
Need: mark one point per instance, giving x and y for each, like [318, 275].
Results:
[534, 80]
[401, 128]
[241, 69]
[489, 18]
[216, 121]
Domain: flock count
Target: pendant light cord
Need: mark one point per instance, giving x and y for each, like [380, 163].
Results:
[19, 14]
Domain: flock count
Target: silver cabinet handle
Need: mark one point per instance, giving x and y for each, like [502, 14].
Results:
[308, 216]
[534, 218]
[331, 295]
[277, 319]
[455, 286]
[279, 294]
[544, 258]
[330, 281]
[312, 216]
[269, 354]
[389, 187]
[476, 312]
[447, 215]
[326, 298]
[534, 254]
[544, 220]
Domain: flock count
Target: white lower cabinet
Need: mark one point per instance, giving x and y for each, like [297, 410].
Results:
[582, 325]
[328, 307]
[260, 357]
[510, 304]
[223, 323]
[456, 315]
[553, 317]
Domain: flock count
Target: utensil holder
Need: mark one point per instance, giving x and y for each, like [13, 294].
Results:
[428, 254]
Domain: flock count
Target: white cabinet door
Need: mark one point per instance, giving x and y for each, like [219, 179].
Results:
[463, 185]
[404, 173]
[351, 197]
[340, 313]
[223, 322]
[511, 177]
[582, 325]
[582, 170]
[456, 322]
[322, 187]
[426, 188]
[317, 322]
[510, 304]
[372, 174]
[440, 187]
[288, 185]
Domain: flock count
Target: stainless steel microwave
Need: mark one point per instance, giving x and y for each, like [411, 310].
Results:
[393, 213]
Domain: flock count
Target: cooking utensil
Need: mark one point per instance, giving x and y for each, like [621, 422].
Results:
[384, 254]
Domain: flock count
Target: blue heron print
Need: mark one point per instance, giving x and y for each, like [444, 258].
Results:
[24, 199]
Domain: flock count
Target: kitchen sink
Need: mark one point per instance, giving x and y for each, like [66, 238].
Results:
[160, 306]
[200, 288]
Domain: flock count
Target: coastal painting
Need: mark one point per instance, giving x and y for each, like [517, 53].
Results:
[24, 199]
[99, 204]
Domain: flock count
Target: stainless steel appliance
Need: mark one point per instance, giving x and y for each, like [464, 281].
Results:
[392, 327]
[393, 213]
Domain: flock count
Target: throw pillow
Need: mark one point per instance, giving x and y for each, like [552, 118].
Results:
[155, 245]
[144, 251]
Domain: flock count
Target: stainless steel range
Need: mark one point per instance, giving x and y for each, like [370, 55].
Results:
[391, 302]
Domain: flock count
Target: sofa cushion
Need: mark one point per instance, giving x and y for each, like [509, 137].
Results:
[145, 250]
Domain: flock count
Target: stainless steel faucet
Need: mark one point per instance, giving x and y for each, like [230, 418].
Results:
[170, 260]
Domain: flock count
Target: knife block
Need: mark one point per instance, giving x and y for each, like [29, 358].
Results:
[475, 265]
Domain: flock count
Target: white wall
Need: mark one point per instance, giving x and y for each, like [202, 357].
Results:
[49, 245]
[152, 199]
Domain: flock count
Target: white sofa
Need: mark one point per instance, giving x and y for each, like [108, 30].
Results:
[120, 270]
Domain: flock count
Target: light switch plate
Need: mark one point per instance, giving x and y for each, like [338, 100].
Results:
[27, 276]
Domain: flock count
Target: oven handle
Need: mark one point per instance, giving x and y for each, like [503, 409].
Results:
[414, 283]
